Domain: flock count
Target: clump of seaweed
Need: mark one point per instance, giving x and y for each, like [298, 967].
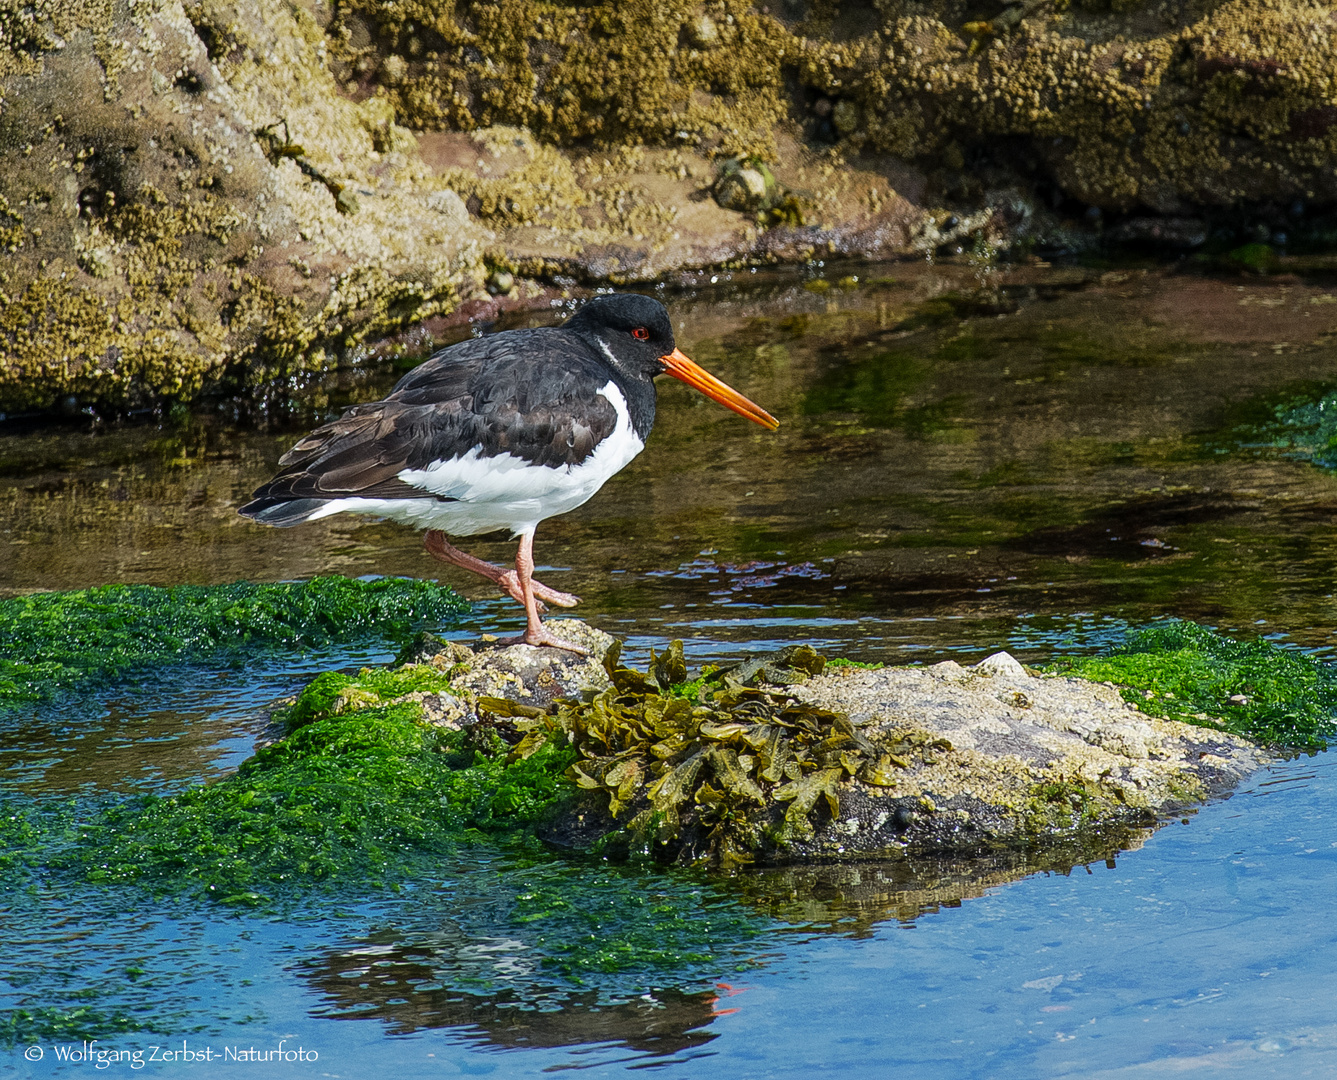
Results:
[277, 148]
[712, 756]
[1299, 427]
[57, 642]
[1179, 670]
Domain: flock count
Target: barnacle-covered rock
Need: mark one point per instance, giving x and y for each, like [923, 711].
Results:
[205, 194]
[785, 758]
[1122, 104]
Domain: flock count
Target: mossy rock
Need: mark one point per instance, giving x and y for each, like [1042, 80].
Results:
[1182, 671]
[783, 759]
[161, 242]
[257, 210]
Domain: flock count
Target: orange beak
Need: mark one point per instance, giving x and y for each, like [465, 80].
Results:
[697, 377]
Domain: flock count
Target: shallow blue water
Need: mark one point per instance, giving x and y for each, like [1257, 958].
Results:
[1208, 950]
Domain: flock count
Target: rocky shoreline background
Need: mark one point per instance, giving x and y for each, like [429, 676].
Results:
[205, 197]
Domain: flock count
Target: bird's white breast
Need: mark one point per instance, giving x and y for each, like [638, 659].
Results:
[503, 491]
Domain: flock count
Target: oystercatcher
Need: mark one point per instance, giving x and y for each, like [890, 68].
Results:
[498, 432]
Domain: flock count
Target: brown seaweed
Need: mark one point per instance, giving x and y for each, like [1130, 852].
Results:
[719, 751]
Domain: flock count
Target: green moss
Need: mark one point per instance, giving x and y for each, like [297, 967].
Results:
[333, 692]
[58, 642]
[1061, 805]
[22, 836]
[1182, 671]
[361, 797]
[613, 930]
[1303, 427]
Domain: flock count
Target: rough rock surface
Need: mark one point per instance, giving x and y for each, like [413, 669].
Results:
[1029, 755]
[163, 231]
[204, 194]
[522, 673]
[1120, 104]
[999, 759]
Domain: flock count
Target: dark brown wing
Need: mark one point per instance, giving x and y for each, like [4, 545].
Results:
[533, 394]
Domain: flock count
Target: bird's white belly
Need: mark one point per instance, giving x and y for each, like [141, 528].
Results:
[481, 494]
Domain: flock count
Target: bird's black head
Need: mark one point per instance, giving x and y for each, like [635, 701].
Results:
[634, 335]
[630, 331]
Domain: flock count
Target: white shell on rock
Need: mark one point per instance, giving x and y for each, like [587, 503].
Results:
[1002, 665]
[743, 189]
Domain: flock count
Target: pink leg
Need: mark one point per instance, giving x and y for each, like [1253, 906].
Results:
[535, 634]
[438, 546]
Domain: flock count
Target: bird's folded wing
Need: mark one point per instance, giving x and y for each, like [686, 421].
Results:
[366, 450]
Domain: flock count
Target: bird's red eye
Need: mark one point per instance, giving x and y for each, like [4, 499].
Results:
[641, 334]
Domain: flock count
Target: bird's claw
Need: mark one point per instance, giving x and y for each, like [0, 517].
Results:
[540, 637]
[510, 583]
[554, 596]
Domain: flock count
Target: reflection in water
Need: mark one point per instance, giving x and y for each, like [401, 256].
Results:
[414, 985]
[493, 979]
[853, 898]
[171, 730]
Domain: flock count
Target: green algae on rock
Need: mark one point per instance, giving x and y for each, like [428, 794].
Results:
[358, 797]
[839, 761]
[382, 772]
[59, 642]
[373, 781]
[1182, 671]
[1302, 427]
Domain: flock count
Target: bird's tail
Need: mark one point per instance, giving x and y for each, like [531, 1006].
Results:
[269, 510]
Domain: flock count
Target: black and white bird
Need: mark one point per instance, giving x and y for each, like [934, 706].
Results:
[498, 432]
